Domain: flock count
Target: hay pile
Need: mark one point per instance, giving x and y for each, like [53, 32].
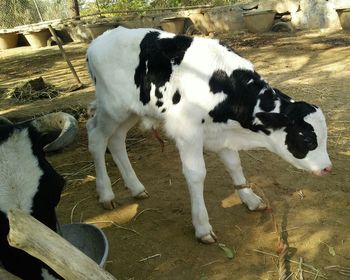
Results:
[32, 90]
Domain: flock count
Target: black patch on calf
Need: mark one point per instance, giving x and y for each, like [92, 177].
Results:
[219, 82]
[159, 103]
[241, 97]
[163, 111]
[158, 94]
[301, 137]
[283, 97]
[158, 56]
[267, 100]
[176, 97]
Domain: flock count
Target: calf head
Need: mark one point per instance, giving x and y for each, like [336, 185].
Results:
[296, 131]
[298, 135]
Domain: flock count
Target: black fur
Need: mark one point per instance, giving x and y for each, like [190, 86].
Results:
[301, 137]
[159, 55]
[241, 97]
[176, 97]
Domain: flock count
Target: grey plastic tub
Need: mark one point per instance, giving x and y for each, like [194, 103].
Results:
[89, 239]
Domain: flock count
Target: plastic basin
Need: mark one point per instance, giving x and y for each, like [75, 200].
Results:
[89, 239]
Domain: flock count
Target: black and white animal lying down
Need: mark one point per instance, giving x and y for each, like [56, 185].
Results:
[29, 182]
[205, 96]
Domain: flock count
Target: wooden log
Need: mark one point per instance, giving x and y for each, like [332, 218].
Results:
[5, 275]
[28, 234]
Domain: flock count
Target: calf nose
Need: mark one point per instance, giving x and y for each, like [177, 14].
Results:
[327, 169]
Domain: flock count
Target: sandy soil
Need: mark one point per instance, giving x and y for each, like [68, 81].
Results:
[154, 238]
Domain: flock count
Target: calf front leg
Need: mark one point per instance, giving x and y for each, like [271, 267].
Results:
[193, 168]
[233, 165]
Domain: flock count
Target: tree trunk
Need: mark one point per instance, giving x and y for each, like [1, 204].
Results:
[73, 8]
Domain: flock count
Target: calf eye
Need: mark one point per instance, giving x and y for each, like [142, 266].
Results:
[310, 144]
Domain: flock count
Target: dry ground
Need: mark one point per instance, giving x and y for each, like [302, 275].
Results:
[313, 212]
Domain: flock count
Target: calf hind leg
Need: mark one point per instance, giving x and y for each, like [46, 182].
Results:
[117, 147]
[98, 135]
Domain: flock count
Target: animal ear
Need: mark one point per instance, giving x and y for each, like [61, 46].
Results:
[273, 120]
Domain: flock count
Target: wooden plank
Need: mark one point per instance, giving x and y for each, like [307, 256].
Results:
[28, 234]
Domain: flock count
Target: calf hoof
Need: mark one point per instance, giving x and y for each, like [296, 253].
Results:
[251, 200]
[261, 207]
[109, 205]
[142, 195]
[208, 239]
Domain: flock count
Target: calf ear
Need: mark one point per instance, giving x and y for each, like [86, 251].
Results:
[273, 120]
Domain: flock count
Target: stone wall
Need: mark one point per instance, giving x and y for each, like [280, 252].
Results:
[309, 14]
[303, 14]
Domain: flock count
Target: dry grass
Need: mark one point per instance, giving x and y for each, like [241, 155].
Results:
[32, 90]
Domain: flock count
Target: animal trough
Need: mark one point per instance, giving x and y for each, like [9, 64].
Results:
[173, 24]
[89, 239]
[8, 39]
[96, 30]
[259, 21]
[38, 39]
[344, 18]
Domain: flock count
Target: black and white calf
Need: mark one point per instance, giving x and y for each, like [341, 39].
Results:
[29, 182]
[205, 96]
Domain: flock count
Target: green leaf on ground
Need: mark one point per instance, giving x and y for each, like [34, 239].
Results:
[228, 252]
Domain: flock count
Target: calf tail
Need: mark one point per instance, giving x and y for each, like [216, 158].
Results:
[92, 109]
[93, 78]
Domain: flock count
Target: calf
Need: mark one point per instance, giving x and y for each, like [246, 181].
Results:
[205, 96]
[29, 182]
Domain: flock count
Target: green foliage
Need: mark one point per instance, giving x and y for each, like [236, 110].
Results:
[16, 12]
[111, 5]
[20, 12]
[184, 3]
[115, 5]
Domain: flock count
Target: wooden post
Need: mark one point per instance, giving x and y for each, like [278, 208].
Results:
[53, 33]
[28, 234]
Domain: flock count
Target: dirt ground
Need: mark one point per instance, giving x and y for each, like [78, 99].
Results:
[154, 238]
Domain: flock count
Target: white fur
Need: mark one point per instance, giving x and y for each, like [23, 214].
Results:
[113, 58]
[19, 172]
[46, 275]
